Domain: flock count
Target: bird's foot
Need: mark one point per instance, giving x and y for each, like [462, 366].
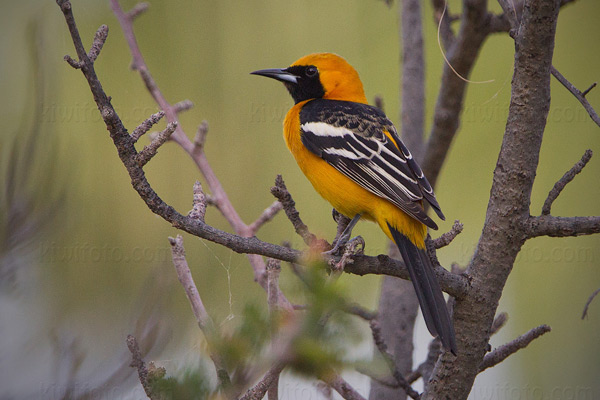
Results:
[352, 247]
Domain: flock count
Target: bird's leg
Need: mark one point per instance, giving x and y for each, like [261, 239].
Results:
[345, 236]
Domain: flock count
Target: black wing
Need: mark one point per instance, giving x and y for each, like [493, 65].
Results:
[350, 137]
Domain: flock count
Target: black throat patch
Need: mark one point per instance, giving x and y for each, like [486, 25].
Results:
[309, 85]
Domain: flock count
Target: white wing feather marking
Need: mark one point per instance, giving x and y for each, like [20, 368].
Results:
[372, 169]
[325, 129]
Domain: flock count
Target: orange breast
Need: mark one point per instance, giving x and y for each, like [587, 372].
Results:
[341, 192]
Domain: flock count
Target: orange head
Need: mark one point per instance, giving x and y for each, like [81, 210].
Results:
[319, 75]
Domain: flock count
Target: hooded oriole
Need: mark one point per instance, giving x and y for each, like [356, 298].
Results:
[352, 155]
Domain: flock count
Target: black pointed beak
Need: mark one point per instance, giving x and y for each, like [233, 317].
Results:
[278, 74]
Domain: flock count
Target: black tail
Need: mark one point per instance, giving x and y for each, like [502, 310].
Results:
[428, 290]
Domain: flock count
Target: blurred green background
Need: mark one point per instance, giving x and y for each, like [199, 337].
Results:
[84, 262]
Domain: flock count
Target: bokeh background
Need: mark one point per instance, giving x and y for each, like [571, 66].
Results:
[83, 262]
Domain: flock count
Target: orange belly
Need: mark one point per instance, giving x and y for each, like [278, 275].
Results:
[344, 194]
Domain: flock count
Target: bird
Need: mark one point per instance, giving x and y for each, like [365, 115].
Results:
[354, 158]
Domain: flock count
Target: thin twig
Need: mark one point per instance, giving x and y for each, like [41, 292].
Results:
[352, 248]
[461, 53]
[360, 311]
[137, 10]
[195, 150]
[182, 106]
[501, 353]
[72, 62]
[258, 391]
[446, 238]
[150, 150]
[413, 77]
[578, 95]
[200, 137]
[562, 182]
[413, 376]
[446, 33]
[387, 381]
[325, 390]
[273, 270]
[426, 367]
[187, 281]
[382, 347]
[146, 125]
[342, 387]
[498, 323]
[289, 206]
[549, 225]
[99, 40]
[198, 210]
[204, 320]
[588, 302]
[267, 215]
[138, 363]
[589, 89]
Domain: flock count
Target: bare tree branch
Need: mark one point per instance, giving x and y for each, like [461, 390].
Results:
[267, 215]
[499, 23]
[147, 125]
[548, 225]
[150, 150]
[498, 323]
[461, 55]
[589, 89]
[200, 137]
[289, 206]
[99, 40]
[588, 302]
[359, 311]
[512, 15]
[389, 359]
[146, 375]
[440, 8]
[504, 231]
[342, 387]
[258, 391]
[183, 105]
[427, 366]
[413, 77]
[198, 210]
[398, 304]
[273, 270]
[454, 284]
[137, 10]
[580, 96]
[504, 351]
[562, 182]
[195, 150]
[204, 320]
[446, 238]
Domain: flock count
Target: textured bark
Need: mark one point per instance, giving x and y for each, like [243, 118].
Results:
[508, 209]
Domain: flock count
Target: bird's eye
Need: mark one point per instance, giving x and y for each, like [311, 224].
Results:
[311, 71]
